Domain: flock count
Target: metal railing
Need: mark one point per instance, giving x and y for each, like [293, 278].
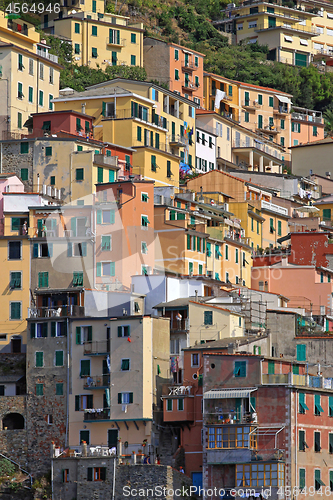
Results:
[293, 27]
[300, 380]
[113, 41]
[306, 117]
[281, 109]
[188, 65]
[248, 103]
[56, 312]
[190, 85]
[96, 347]
[97, 381]
[142, 115]
[50, 57]
[177, 139]
[97, 414]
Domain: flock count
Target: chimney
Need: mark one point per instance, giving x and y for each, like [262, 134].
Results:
[328, 175]
[284, 260]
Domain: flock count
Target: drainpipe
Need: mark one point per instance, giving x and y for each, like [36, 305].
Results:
[67, 391]
[114, 478]
[296, 443]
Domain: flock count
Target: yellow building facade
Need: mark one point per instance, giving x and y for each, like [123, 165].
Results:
[287, 32]
[29, 75]
[100, 39]
[144, 116]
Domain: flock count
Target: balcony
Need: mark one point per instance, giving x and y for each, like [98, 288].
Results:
[179, 325]
[97, 414]
[96, 348]
[274, 208]
[177, 141]
[97, 382]
[141, 115]
[307, 115]
[309, 30]
[110, 161]
[115, 42]
[184, 413]
[298, 380]
[189, 86]
[59, 312]
[280, 110]
[251, 104]
[268, 129]
[188, 66]
[17, 28]
[50, 57]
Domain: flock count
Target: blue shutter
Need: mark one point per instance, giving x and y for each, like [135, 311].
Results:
[99, 269]
[99, 216]
[69, 249]
[73, 225]
[35, 251]
[50, 249]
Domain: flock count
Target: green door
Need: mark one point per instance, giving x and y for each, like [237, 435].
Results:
[247, 98]
[186, 59]
[259, 121]
[300, 59]
[271, 22]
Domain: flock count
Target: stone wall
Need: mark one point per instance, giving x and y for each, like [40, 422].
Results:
[128, 478]
[14, 443]
[14, 161]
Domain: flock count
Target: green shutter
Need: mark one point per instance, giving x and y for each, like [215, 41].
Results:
[39, 359]
[271, 367]
[59, 358]
[73, 225]
[78, 335]
[100, 174]
[99, 216]
[77, 403]
[301, 479]
[89, 333]
[99, 269]
[301, 352]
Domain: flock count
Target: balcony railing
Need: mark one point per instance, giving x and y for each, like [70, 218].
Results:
[307, 117]
[113, 41]
[301, 380]
[97, 347]
[57, 312]
[145, 116]
[18, 28]
[274, 208]
[177, 140]
[190, 85]
[50, 57]
[97, 382]
[180, 325]
[283, 110]
[293, 27]
[248, 103]
[96, 414]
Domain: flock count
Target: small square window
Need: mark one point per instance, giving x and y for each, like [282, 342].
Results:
[79, 174]
[39, 390]
[195, 359]
[133, 60]
[24, 174]
[48, 151]
[133, 38]
[59, 389]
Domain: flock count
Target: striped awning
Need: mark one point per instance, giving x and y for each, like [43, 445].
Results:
[229, 393]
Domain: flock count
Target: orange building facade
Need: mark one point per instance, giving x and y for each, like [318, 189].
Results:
[178, 67]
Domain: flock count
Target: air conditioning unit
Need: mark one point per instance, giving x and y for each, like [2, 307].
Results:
[124, 408]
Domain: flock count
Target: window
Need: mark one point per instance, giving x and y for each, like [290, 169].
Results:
[94, 54]
[271, 367]
[301, 479]
[330, 406]
[85, 368]
[14, 250]
[180, 405]
[39, 389]
[79, 174]
[279, 228]
[59, 358]
[176, 55]
[125, 398]
[260, 475]
[240, 369]
[317, 406]
[282, 123]
[144, 221]
[195, 360]
[65, 475]
[94, 6]
[100, 174]
[94, 30]
[282, 141]
[15, 280]
[301, 441]
[196, 61]
[314, 131]
[96, 473]
[105, 216]
[318, 482]
[31, 66]
[232, 437]
[20, 62]
[133, 60]
[208, 317]
[133, 38]
[41, 98]
[176, 74]
[84, 402]
[301, 403]
[144, 247]
[124, 331]
[301, 352]
[106, 243]
[330, 443]
[331, 473]
[77, 278]
[31, 94]
[43, 280]
[50, 102]
[39, 359]
[59, 389]
[169, 404]
[125, 365]
[246, 117]
[77, 28]
[41, 71]
[271, 102]
[51, 76]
